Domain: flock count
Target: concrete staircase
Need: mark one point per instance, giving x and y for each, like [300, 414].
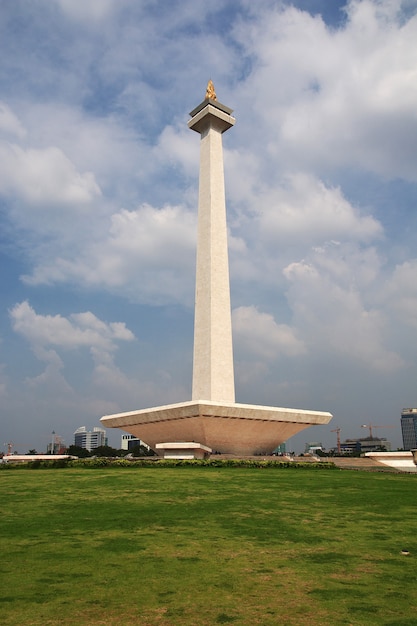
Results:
[360, 463]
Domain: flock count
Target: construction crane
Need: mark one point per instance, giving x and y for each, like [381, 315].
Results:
[12, 447]
[337, 430]
[371, 426]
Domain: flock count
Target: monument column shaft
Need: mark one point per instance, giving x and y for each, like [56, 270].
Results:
[213, 376]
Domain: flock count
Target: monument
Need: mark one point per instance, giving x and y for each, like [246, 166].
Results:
[212, 418]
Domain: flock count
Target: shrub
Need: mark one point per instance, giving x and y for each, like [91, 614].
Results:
[100, 462]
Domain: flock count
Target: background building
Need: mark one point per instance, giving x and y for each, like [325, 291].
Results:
[90, 439]
[56, 445]
[312, 447]
[129, 442]
[365, 444]
[409, 428]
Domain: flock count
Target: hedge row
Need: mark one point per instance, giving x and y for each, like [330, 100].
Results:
[100, 462]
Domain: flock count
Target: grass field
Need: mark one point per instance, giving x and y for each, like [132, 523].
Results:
[194, 546]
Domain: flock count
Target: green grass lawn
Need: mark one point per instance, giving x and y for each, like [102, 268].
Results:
[204, 546]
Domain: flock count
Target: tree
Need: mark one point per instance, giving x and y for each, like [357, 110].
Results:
[78, 451]
[32, 451]
[104, 451]
[141, 451]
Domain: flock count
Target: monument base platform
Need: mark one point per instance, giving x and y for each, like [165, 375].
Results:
[182, 450]
[238, 429]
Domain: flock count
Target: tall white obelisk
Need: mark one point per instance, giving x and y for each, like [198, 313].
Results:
[213, 377]
[212, 420]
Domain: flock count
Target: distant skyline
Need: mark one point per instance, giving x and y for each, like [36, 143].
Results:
[98, 193]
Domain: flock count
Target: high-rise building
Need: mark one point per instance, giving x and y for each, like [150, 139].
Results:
[90, 439]
[409, 428]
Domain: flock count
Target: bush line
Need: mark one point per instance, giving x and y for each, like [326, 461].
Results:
[100, 462]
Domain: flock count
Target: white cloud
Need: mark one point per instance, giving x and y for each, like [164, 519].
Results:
[49, 334]
[399, 293]
[177, 146]
[296, 217]
[44, 177]
[78, 330]
[86, 237]
[148, 254]
[333, 318]
[107, 376]
[305, 208]
[91, 10]
[326, 98]
[10, 123]
[52, 378]
[260, 335]
[106, 145]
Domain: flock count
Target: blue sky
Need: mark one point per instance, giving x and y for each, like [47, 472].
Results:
[98, 196]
